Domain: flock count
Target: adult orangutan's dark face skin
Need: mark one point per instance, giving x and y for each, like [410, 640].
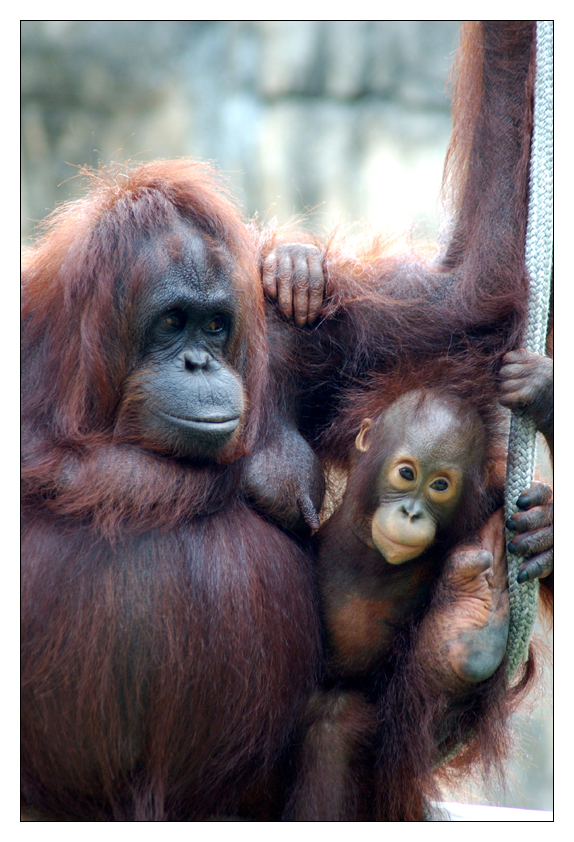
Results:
[190, 400]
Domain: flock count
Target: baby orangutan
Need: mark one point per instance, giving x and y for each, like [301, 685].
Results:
[398, 561]
[418, 478]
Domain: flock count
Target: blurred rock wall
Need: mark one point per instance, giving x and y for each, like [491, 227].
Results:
[349, 118]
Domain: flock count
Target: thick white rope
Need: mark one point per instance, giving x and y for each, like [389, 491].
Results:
[539, 243]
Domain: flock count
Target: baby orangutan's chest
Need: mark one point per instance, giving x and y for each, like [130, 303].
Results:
[359, 632]
[361, 624]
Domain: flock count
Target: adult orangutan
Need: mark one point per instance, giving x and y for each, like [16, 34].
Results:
[170, 632]
[156, 683]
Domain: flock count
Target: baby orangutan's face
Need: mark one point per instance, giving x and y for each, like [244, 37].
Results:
[421, 479]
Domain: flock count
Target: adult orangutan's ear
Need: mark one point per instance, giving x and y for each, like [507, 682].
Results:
[363, 440]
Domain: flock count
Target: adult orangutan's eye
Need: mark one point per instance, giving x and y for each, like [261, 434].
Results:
[174, 320]
[216, 324]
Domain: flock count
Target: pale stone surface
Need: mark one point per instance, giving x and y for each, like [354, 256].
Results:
[349, 118]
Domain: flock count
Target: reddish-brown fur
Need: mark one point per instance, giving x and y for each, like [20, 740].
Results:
[170, 633]
[385, 307]
[444, 323]
[379, 670]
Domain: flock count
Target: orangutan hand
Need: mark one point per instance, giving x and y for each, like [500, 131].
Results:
[293, 274]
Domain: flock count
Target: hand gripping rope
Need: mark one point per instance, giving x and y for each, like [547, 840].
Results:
[539, 247]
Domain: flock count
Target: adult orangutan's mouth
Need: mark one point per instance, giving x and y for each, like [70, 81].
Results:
[217, 424]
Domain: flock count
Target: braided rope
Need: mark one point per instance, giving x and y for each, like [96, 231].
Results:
[522, 438]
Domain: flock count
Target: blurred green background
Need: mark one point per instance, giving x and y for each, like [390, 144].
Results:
[345, 120]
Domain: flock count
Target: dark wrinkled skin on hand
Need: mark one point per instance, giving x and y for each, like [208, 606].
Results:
[284, 480]
[527, 383]
[293, 276]
[471, 618]
[468, 627]
[533, 532]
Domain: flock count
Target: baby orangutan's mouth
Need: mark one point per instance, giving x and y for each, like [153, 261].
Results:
[393, 551]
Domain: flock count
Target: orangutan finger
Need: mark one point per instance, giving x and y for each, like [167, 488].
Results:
[269, 275]
[537, 567]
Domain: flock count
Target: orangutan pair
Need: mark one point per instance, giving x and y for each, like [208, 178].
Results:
[175, 431]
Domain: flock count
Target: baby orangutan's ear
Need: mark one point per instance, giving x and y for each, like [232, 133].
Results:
[363, 440]
[487, 471]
